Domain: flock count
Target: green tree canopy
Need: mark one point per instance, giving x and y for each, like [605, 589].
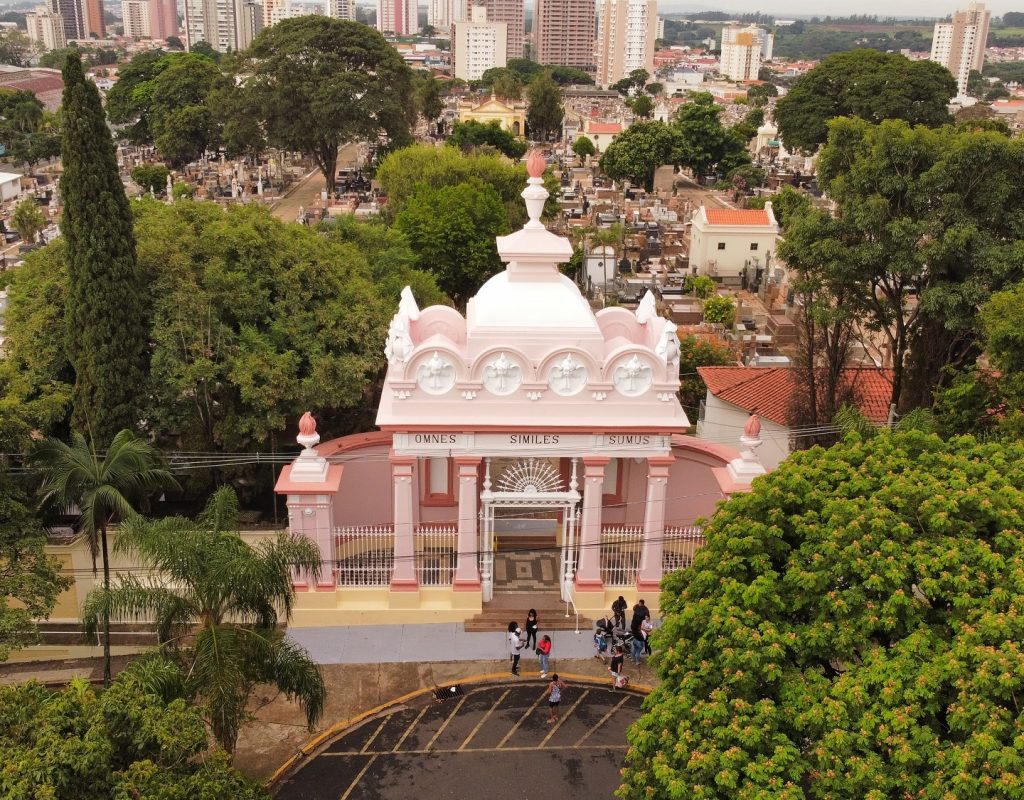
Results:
[850, 629]
[105, 334]
[721, 310]
[151, 177]
[28, 219]
[706, 144]
[203, 581]
[543, 107]
[28, 131]
[583, 147]
[322, 82]
[253, 321]
[639, 150]
[698, 352]
[124, 742]
[130, 99]
[868, 84]
[452, 230]
[182, 121]
[641, 105]
[470, 134]
[787, 204]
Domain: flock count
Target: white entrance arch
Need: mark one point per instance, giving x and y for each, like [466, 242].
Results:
[529, 483]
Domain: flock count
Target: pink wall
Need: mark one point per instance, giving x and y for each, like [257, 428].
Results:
[693, 489]
[365, 494]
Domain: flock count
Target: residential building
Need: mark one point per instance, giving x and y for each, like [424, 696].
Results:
[442, 14]
[93, 21]
[960, 45]
[734, 393]
[135, 19]
[511, 13]
[398, 17]
[563, 33]
[343, 9]
[511, 114]
[601, 134]
[46, 27]
[726, 242]
[626, 33]
[478, 45]
[163, 19]
[743, 50]
[226, 25]
[72, 13]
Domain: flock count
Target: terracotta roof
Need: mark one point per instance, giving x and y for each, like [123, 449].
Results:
[737, 216]
[604, 127]
[767, 390]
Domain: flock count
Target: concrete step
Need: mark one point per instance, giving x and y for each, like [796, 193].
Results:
[69, 633]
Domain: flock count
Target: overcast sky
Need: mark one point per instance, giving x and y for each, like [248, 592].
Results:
[883, 8]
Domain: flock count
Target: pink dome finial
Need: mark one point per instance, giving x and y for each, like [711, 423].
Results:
[535, 164]
[753, 427]
[307, 425]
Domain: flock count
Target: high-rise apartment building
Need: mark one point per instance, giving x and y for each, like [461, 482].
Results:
[442, 14]
[743, 50]
[135, 18]
[626, 31]
[94, 24]
[72, 13]
[47, 28]
[163, 19]
[563, 33]
[226, 25]
[960, 45]
[400, 17]
[478, 45]
[342, 9]
[511, 13]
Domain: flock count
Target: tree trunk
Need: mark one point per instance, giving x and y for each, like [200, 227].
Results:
[328, 158]
[106, 605]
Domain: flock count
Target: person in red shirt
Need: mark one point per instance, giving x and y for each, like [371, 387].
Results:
[543, 651]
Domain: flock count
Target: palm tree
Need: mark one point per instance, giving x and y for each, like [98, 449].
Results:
[102, 487]
[217, 603]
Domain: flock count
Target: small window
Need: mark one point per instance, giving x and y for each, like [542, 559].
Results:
[437, 482]
[612, 489]
[721, 245]
[753, 246]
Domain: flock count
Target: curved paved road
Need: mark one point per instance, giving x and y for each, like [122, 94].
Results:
[493, 742]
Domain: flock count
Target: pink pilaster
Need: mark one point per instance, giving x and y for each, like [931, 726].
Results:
[588, 569]
[403, 578]
[651, 558]
[467, 575]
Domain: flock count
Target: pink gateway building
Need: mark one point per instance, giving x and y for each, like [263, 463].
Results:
[531, 444]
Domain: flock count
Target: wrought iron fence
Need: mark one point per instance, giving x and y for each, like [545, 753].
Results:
[681, 544]
[436, 554]
[365, 555]
[621, 546]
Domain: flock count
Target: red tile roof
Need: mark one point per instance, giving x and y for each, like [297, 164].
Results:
[737, 216]
[768, 390]
[604, 127]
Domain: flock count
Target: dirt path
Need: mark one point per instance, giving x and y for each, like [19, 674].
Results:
[306, 193]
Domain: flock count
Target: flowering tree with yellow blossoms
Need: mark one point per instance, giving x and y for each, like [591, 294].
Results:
[852, 629]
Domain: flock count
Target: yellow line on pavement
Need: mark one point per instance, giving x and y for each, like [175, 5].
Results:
[563, 718]
[409, 730]
[515, 749]
[380, 727]
[359, 777]
[480, 724]
[523, 718]
[450, 717]
[602, 721]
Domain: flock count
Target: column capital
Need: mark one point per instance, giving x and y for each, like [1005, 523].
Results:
[400, 460]
[596, 461]
[468, 461]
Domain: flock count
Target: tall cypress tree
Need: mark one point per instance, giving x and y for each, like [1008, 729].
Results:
[104, 311]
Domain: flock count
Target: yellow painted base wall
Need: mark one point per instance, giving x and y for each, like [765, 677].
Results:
[378, 605]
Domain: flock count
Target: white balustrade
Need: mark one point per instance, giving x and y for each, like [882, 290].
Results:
[621, 546]
[366, 554]
[681, 544]
[437, 548]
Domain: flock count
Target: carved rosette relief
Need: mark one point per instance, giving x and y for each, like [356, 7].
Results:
[502, 375]
[632, 377]
[567, 376]
[436, 375]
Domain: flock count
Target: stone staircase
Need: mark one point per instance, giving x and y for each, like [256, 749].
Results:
[513, 606]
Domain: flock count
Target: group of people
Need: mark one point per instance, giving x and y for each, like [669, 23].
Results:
[520, 640]
[612, 636]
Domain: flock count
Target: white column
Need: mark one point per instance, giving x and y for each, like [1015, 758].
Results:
[588, 570]
[651, 558]
[467, 576]
[404, 576]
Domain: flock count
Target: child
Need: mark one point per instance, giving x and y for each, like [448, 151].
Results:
[554, 693]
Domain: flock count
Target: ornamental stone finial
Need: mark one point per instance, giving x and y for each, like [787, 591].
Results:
[752, 430]
[308, 437]
[535, 165]
[307, 425]
[310, 466]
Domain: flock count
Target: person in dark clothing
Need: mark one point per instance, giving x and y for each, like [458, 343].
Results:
[619, 612]
[531, 628]
[640, 613]
[602, 635]
[618, 679]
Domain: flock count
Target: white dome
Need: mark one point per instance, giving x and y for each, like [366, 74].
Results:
[768, 129]
[530, 305]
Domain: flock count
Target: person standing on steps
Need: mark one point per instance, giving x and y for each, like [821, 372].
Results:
[515, 645]
[531, 628]
[554, 693]
[543, 651]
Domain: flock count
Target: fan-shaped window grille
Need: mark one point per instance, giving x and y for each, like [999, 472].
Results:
[530, 476]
